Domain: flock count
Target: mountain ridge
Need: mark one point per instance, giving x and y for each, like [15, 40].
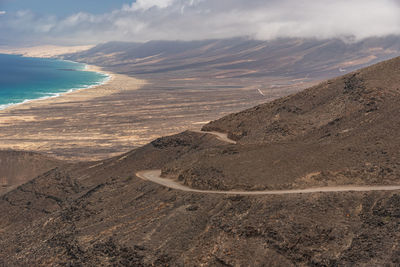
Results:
[241, 57]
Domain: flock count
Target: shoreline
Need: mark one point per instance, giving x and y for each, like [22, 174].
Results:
[111, 85]
[85, 93]
[90, 68]
[74, 126]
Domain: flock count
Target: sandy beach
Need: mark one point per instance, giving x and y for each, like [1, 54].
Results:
[64, 122]
[128, 112]
[46, 51]
[79, 94]
[116, 117]
[115, 83]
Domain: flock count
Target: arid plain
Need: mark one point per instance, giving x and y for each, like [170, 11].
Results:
[162, 88]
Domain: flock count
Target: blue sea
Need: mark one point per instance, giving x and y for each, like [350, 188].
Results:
[23, 79]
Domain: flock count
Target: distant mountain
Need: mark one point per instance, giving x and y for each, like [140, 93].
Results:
[240, 57]
[343, 131]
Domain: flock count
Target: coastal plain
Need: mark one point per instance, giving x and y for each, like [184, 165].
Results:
[109, 119]
[163, 88]
[59, 125]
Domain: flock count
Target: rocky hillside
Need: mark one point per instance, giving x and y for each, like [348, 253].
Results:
[101, 214]
[357, 98]
[343, 131]
[17, 167]
[340, 132]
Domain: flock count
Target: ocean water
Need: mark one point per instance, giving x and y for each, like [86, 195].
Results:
[23, 79]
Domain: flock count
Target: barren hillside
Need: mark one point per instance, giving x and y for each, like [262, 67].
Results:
[17, 167]
[342, 131]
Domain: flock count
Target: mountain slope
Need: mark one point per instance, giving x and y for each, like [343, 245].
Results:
[343, 131]
[101, 214]
[17, 167]
[369, 92]
[240, 57]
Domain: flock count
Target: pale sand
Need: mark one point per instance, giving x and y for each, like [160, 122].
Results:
[61, 125]
[116, 83]
[125, 113]
[47, 51]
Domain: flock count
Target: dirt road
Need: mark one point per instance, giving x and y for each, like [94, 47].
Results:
[154, 176]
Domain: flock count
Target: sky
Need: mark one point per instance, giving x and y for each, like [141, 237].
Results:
[80, 22]
[62, 7]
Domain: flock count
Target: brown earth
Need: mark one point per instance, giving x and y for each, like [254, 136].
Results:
[342, 131]
[80, 125]
[95, 214]
[187, 85]
[18, 167]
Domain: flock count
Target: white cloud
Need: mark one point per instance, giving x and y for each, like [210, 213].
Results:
[148, 4]
[2, 12]
[200, 19]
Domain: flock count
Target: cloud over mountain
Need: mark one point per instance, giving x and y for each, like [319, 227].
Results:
[200, 19]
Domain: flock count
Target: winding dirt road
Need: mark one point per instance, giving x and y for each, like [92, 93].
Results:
[154, 176]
